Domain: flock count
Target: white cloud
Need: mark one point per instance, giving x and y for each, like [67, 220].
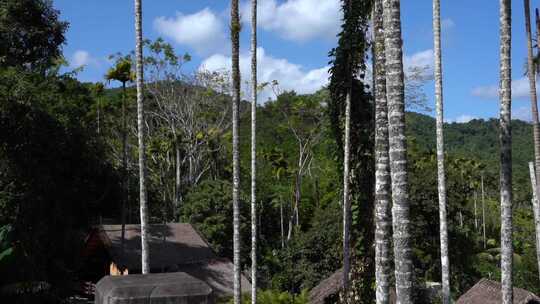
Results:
[203, 31]
[522, 113]
[463, 118]
[419, 59]
[520, 89]
[80, 58]
[298, 20]
[289, 75]
[447, 24]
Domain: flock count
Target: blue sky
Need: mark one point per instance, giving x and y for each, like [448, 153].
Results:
[295, 37]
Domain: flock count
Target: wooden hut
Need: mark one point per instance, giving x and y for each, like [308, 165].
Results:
[174, 247]
[489, 292]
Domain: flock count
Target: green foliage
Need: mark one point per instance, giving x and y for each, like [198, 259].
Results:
[348, 66]
[208, 206]
[277, 297]
[122, 71]
[31, 34]
[311, 256]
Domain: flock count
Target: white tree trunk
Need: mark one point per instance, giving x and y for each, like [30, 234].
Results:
[178, 177]
[253, 151]
[346, 197]
[531, 72]
[505, 96]
[441, 173]
[235, 41]
[475, 211]
[536, 211]
[383, 224]
[145, 248]
[398, 151]
[483, 212]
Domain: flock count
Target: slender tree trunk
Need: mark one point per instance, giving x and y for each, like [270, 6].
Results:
[98, 114]
[483, 211]
[145, 248]
[346, 198]
[383, 224]
[297, 197]
[398, 151]
[536, 212]
[441, 173]
[125, 175]
[253, 151]
[475, 211]
[505, 95]
[531, 72]
[281, 223]
[235, 41]
[178, 177]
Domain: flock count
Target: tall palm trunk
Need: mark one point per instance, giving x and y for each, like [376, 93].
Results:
[145, 248]
[346, 197]
[505, 96]
[398, 150]
[125, 175]
[475, 211]
[531, 72]
[443, 230]
[383, 223]
[483, 212]
[178, 176]
[536, 211]
[346, 184]
[253, 151]
[235, 41]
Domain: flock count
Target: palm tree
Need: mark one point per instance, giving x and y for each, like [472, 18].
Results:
[253, 151]
[140, 126]
[235, 41]
[445, 262]
[505, 96]
[398, 150]
[483, 211]
[122, 72]
[531, 72]
[382, 168]
[99, 88]
[346, 173]
[532, 85]
[536, 211]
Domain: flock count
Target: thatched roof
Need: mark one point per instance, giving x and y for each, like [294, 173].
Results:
[170, 244]
[175, 247]
[489, 292]
[327, 288]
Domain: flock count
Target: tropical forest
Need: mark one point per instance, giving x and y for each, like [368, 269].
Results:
[269, 151]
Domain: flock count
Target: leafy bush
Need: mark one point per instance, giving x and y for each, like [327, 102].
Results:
[277, 297]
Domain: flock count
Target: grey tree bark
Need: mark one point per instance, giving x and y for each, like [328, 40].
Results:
[346, 184]
[383, 224]
[125, 175]
[536, 211]
[178, 176]
[483, 211]
[235, 42]
[531, 72]
[253, 151]
[475, 210]
[346, 197]
[145, 248]
[398, 151]
[505, 96]
[441, 177]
